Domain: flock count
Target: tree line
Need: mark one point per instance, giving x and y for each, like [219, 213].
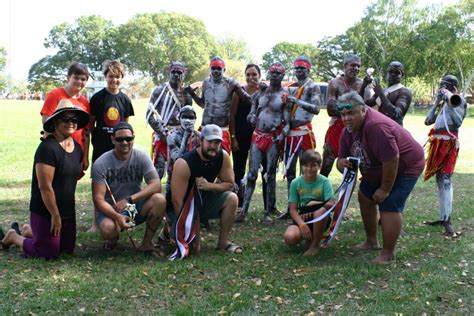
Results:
[430, 41]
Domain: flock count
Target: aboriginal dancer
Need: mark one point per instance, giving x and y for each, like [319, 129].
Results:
[162, 112]
[447, 114]
[304, 104]
[270, 116]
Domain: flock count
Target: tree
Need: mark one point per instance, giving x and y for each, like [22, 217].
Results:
[149, 42]
[443, 44]
[46, 74]
[89, 40]
[3, 63]
[232, 48]
[285, 53]
[382, 34]
[330, 57]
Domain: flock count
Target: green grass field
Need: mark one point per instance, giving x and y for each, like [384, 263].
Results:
[433, 274]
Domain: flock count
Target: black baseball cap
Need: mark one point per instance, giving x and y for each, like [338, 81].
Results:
[122, 125]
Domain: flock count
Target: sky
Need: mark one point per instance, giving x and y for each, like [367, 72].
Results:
[24, 24]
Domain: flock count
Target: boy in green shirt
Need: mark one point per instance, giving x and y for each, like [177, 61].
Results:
[310, 196]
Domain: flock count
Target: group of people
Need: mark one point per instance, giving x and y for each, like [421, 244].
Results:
[269, 121]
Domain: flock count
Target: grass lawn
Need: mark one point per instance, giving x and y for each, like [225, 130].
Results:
[432, 275]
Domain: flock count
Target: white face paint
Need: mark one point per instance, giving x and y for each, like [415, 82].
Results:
[187, 123]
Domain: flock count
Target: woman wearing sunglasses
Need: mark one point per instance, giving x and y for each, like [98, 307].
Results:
[57, 167]
[77, 76]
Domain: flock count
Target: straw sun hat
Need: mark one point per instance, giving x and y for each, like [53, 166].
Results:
[66, 105]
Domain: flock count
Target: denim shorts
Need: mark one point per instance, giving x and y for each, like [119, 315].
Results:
[395, 201]
[139, 219]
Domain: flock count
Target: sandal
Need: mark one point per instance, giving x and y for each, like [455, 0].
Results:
[16, 227]
[110, 244]
[164, 236]
[232, 248]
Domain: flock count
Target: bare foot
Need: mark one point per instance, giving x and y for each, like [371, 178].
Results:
[196, 246]
[311, 251]
[384, 258]
[9, 239]
[92, 229]
[26, 231]
[366, 246]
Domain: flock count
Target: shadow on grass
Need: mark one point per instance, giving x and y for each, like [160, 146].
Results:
[268, 277]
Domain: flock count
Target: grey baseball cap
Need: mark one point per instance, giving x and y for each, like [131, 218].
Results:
[211, 132]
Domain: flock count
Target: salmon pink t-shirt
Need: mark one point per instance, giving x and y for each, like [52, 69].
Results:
[52, 101]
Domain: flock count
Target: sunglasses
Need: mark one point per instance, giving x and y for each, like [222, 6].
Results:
[176, 72]
[124, 139]
[69, 119]
[216, 68]
[346, 106]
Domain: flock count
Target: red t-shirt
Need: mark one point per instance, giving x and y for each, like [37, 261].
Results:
[52, 101]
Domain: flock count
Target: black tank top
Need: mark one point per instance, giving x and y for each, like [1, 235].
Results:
[202, 168]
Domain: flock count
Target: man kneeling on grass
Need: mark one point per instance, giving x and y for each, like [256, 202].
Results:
[310, 196]
[194, 179]
[118, 196]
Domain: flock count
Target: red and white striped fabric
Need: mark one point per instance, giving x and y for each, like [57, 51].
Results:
[345, 190]
[187, 225]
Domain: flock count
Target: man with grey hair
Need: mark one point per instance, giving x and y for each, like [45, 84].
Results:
[393, 101]
[390, 163]
[345, 83]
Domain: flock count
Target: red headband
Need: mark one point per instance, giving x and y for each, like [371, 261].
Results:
[302, 63]
[278, 67]
[217, 63]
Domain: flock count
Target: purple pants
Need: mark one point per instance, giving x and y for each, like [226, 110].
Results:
[44, 244]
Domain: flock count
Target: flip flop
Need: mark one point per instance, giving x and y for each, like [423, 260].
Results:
[110, 244]
[16, 227]
[232, 248]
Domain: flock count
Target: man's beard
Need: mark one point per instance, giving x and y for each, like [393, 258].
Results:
[207, 156]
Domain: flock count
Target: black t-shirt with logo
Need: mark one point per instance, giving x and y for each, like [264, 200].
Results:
[67, 168]
[108, 110]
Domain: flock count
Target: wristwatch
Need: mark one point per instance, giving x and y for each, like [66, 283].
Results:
[129, 199]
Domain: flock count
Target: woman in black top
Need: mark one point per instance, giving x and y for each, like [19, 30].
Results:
[241, 131]
[57, 166]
